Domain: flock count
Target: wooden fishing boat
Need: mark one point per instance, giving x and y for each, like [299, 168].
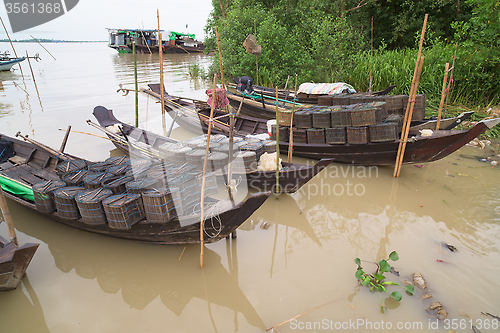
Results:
[291, 178]
[7, 62]
[267, 110]
[32, 164]
[419, 148]
[14, 261]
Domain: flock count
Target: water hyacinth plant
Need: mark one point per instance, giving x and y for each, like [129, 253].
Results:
[377, 282]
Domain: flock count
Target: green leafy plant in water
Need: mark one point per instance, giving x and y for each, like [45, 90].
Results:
[377, 281]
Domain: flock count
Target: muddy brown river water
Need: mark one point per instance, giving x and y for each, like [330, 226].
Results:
[292, 263]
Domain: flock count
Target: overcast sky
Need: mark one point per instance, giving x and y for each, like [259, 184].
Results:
[89, 19]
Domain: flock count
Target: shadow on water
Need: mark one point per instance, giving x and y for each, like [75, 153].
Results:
[171, 273]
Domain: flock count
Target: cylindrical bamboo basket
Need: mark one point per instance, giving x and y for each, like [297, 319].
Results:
[322, 119]
[89, 204]
[66, 206]
[93, 180]
[336, 135]
[316, 136]
[357, 135]
[123, 210]
[44, 194]
[162, 205]
[303, 119]
[67, 166]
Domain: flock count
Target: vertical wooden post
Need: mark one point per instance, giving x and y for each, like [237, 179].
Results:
[8, 218]
[406, 125]
[443, 95]
[136, 86]
[202, 202]
[65, 140]
[220, 60]
[451, 79]
[290, 140]
[160, 49]
[277, 147]
[371, 61]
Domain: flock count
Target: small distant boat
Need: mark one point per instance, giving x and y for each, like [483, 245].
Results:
[146, 41]
[6, 62]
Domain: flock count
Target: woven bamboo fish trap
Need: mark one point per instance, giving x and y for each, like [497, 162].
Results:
[269, 146]
[398, 120]
[217, 161]
[162, 205]
[357, 135]
[119, 169]
[64, 198]
[315, 136]
[138, 172]
[100, 166]
[189, 188]
[118, 160]
[284, 133]
[341, 118]
[335, 135]
[44, 194]
[383, 132]
[143, 185]
[394, 103]
[300, 135]
[196, 158]
[246, 162]
[256, 147]
[210, 183]
[341, 99]
[419, 108]
[89, 204]
[117, 184]
[302, 119]
[123, 210]
[285, 118]
[69, 166]
[322, 119]
[93, 180]
[224, 148]
[325, 100]
[363, 117]
[75, 178]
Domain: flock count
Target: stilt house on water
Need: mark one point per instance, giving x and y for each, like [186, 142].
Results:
[146, 41]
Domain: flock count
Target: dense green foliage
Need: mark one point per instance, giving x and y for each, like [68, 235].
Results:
[322, 41]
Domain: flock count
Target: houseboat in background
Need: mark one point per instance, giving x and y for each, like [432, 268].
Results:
[146, 41]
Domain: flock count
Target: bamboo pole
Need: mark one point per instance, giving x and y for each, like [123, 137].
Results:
[277, 148]
[36, 40]
[65, 140]
[160, 48]
[406, 127]
[8, 219]
[220, 59]
[443, 95]
[411, 103]
[52, 151]
[451, 79]
[136, 86]
[32, 75]
[12, 45]
[202, 203]
[371, 61]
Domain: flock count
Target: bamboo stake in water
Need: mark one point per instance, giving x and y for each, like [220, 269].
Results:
[136, 87]
[220, 59]
[451, 79]
[411, 104]
[404, 133]
[33, 75]
[8, 218]
[160, 48]
[202, 203]
[443, 95]
[277, 147]
[371, 61]
[12, 45]
[36, 40]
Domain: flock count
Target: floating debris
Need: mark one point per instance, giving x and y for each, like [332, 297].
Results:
[265, 225]
[419, 165]
[419, 280]
[435, 305]
[449, 246]
[426, 296]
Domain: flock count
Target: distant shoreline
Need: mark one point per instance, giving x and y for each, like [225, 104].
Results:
[52, 41]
